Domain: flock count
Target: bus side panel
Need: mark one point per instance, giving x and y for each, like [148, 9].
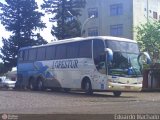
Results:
[66, 75]
[87, 68]
[67, 72]
[45, 70]
[25, 71]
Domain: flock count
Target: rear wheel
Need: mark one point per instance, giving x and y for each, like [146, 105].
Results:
[31, 84]
[117, 93]
[56, 89]
[66, 89]
[40, 85]
[88, 87]
[6, 87]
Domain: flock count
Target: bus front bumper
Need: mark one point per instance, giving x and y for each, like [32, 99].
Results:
[124, 87]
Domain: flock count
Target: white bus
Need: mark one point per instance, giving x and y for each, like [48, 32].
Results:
[100, 63]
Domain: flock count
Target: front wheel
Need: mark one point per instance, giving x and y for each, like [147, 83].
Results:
[88, 88]
[117, 93]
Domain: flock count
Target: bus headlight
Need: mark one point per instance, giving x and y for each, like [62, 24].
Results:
[139, 80]
[113, 80]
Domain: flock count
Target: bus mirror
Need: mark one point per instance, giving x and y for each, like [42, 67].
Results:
[109, 56]
[145, 56]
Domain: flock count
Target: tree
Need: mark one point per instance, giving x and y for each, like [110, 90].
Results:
[22, 19]
[65, 14]
[3, 69]
[148, 37]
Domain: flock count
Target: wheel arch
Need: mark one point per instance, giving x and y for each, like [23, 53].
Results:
[40, 77]
[86, 78]
[31, 78]
[34, 78]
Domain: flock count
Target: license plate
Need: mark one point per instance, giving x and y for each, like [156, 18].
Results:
[127, 87]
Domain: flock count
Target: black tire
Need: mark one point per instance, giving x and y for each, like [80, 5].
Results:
[66, 89]
[117, 93]
[40, 85]
[31, 84]
[6, 87]
[56, 89]
[88, 87]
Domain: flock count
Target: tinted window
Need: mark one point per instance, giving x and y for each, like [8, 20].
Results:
[41, 53]
[116, 9]
[85, 49]
[99, 55]
[32, 54]
[25, 55]
[123, 46]
[20, 55]
[93, 31]
[61, 51]
[98, 48]
[50, 52]
[116, 30]
[72, 50]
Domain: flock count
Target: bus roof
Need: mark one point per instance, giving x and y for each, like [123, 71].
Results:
[82, 39]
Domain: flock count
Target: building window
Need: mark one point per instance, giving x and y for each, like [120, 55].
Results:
[155, 15]
[116, 30]
[92, 11]
[116, 9]
[93, 31]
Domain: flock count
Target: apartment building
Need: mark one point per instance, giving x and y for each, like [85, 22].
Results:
[117, 17]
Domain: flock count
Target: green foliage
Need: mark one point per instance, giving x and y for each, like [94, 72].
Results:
[22, 19]
[148, 37]
[4, 69]
[65, 14]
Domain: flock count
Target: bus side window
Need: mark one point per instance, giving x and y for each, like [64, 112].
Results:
[21, 56]
[32, 54]
[72, 50]
[61, 51]
[85, 49]
[41, 53]
[25, 55]
[99, 55]
[50, 52]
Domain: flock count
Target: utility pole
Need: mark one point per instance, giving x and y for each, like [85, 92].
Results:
[85, 22]
[147, 12]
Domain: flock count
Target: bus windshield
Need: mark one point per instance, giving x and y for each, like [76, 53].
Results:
[125, 60]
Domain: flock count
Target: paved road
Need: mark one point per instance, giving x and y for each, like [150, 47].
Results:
[48, 102]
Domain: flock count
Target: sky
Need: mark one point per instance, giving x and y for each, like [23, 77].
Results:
[45, 33]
